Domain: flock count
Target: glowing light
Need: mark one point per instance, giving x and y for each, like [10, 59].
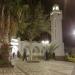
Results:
[45, 42]
[14, 43]
[55, 7]
[14, 49]
[73, 32]
[42, 42]
[14, 40]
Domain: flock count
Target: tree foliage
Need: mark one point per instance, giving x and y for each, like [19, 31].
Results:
[23, 22]
[35, 24]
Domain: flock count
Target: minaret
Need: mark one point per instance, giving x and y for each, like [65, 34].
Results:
[56, 30]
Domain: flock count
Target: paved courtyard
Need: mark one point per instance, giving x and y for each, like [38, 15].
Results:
[40, 68]
[11, 71]
[47, 68]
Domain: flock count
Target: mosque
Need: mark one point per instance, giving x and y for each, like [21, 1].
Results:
[35, 49]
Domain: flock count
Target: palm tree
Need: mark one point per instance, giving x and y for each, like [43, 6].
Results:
[52, 47]
[41, 20]
[34, 24]
[19, 20]
[9, 11]
[23, 21]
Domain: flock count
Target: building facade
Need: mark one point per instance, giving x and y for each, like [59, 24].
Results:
[35, 49]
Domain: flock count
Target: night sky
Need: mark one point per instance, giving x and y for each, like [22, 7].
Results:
[68, 8]
[69, 22]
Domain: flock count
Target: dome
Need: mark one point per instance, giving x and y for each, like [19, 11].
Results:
[55, 7]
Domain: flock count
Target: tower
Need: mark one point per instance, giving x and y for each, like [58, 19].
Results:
[56, 30]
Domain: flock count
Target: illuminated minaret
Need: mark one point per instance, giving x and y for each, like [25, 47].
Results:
[56, 30]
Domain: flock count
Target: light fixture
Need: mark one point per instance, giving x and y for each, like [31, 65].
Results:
[55, 7]
[45, 42]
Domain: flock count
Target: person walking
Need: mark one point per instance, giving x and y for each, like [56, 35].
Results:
[24, 55]
[46, 55]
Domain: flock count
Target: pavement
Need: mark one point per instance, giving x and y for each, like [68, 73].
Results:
[11, 71]
[73, 72]
[51, 67]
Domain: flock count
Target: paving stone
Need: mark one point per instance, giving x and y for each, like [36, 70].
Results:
[1, 74]
[10, 71]
[47, 68]
[41, 68]
[20, 74]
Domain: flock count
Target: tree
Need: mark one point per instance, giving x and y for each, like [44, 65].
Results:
[15, 11]
[17, 18]
[9, 9]
[41, 20]
[40, 23]
[52, 47]
[35, 24]
[32, 24]
[23, 21]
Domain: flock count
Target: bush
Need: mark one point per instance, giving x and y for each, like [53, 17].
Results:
[2, 62]
[70, 58]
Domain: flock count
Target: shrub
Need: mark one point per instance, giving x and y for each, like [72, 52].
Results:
[69, 58]
[2, 62]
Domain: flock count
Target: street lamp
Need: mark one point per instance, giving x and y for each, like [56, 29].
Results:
[45, 42]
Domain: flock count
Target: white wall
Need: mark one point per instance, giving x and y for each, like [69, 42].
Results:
[31, 46]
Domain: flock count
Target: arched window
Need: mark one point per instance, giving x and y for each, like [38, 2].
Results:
[36, 49]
